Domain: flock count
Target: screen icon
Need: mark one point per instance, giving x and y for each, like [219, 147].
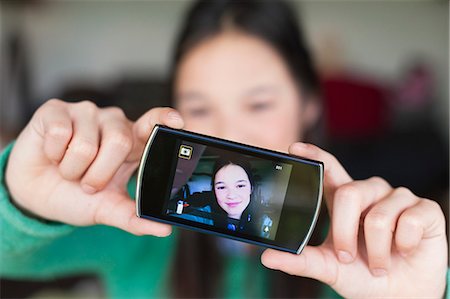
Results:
[185, 152]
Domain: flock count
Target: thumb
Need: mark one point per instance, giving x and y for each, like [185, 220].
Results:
[313, 263]
[143, 127]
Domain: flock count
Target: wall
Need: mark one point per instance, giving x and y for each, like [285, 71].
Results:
[99, 41]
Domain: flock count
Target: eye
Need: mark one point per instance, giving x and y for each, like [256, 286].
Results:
[260, 106]
[220, 187]
[198, 112]
[241, 186]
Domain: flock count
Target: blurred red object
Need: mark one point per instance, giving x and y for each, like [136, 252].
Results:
[354, 107]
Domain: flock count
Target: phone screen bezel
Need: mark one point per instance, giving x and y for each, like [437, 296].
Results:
[156, 174]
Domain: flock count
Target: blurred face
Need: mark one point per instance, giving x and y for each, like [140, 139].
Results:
[232, 188]
[236, 86]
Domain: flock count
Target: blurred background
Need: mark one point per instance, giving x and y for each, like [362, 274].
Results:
[384, 67]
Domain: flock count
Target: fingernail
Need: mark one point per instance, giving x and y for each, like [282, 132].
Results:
[300, 145]
[174, 115]
[345, 257]
[379, 272]
[88, 189]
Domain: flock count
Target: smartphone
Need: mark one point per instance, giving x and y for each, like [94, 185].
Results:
[229, 189]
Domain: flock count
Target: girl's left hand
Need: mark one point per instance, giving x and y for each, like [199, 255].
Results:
[383, 241]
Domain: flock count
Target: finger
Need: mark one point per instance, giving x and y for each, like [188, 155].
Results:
[115, 145]
[349, 202]
[424, 220]
[334, 173]
[54, 125]
[379, 227]
[83, 146]
[120, 211]
[312, 263]
[144, 126]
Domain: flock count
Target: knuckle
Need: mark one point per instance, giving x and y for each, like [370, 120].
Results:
[378, 180]
[115, 111]
[143, 131]
[346, 192]
[378, 220]
[403, 192]
[435, 209]
[41, 111]
[409, 220]
[153, 114]
[120, 140]
[432, 205]
[60, 131]
[88, 107]
[331, 157]
[153, 119]
[53, 102]
[157, 110]
[84, 149]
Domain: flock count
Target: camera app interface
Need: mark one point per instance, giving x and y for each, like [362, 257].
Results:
[228, 190]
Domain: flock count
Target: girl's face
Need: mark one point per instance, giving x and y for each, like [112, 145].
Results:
[237, 87]
[232, 189]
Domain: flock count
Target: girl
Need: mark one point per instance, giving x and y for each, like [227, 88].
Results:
[241, 72]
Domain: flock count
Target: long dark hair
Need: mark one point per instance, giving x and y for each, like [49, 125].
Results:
[272, 21]
[197, 269]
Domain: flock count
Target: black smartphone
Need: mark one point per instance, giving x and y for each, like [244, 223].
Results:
[229, 189]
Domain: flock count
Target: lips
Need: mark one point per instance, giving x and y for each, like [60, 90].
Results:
[233, 204]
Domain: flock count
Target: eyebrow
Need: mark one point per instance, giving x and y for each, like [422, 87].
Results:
[239, 181]
[242, 181]
[262, 89]
[192, 95]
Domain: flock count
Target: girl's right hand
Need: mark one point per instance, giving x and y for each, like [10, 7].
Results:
[72, 163]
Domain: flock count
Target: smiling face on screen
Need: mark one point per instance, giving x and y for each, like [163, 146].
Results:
[232, 188]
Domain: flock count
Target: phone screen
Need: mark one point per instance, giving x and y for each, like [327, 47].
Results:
[229, 189]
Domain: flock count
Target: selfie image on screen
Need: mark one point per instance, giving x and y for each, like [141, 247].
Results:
[228, 190]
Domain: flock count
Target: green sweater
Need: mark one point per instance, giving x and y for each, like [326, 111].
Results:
[35, 249]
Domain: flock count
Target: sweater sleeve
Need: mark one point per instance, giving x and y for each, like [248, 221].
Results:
[21, 235]
[32, 248]
[447, 290]
[19, 232]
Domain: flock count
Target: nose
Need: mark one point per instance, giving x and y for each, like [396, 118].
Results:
[229, 127]
[231, 194]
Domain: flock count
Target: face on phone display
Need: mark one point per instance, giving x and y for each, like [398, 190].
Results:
[229, 189]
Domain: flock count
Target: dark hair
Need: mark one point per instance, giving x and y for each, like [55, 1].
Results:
[197, 268]
[272, 21]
